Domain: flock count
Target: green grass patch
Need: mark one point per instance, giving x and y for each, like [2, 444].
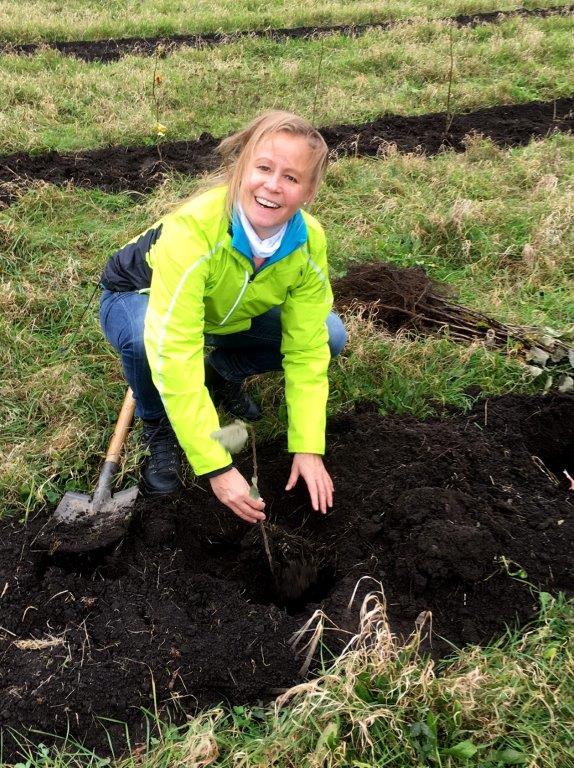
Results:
[81, 20]
[495, 224]
[492, 224]
[50, 101]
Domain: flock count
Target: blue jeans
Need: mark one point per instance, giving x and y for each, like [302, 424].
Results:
[235, 356]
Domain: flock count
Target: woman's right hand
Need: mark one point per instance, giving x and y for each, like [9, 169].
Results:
[232, 489]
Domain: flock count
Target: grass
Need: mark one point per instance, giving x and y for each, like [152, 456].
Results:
[494, 223]
[79, 19]
[52, 101]
[384, 703]
[57, 408]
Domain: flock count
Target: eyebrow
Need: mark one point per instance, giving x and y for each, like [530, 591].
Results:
[261, 158]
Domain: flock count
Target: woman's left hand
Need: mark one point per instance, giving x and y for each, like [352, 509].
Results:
[310, 467]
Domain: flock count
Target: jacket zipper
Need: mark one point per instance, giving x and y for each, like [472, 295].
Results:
[237, 300]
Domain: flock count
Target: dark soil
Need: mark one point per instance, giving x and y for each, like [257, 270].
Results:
[439, 511]
[114, 49]
[391, 294]
[140, 169]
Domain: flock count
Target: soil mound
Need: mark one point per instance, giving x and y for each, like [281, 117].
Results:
[405, 298]
[445, 513]
[393, 295]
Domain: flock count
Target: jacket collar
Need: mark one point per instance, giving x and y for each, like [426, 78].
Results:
[295, 236]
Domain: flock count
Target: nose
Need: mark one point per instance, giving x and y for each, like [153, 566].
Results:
[273, 182]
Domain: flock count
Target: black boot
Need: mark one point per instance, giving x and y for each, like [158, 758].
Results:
[230, 396]
[162, 468]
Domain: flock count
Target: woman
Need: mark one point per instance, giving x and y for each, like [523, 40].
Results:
[243, 269]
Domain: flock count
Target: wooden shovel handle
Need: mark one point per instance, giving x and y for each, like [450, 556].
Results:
[123, 425]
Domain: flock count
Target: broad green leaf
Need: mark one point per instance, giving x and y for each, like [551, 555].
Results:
[510, 756]
[233, 437]
[463, 750]
[362, 692]
[550, 652]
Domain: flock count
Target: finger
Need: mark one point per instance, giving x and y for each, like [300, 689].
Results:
[312, 486]
[243, 516]
[322, 498]
[248, 514]
[330, 491]
[253, 507]
[254, 504]
[330, 496]
[293, 477]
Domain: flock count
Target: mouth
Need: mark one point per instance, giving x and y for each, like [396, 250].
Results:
[268, 204]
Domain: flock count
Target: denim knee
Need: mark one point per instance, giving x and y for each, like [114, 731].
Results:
[132, 343]
[337, 334]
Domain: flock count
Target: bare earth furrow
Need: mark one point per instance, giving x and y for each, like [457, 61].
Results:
[140, 169]
[114, 49]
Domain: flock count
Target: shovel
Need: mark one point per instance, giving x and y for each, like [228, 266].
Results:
[82, 523]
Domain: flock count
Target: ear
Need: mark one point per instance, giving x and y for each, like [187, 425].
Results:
[311, 192]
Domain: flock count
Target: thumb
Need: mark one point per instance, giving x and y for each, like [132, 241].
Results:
[293, 477]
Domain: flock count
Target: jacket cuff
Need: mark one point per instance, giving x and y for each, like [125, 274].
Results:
[216, 472]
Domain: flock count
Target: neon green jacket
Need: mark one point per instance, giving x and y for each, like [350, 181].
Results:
[202, 284]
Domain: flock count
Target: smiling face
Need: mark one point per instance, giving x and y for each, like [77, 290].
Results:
[277, 181]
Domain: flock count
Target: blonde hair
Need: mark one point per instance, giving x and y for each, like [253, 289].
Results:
[236, 150]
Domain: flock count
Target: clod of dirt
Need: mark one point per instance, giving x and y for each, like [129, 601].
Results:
[83, 535]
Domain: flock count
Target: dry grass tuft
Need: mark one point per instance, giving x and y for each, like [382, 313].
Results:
[36, 644]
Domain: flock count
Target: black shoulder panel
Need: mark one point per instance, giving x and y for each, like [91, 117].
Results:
[127, 269]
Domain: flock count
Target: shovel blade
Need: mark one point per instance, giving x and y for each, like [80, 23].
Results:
[78, 525]
[72, 506]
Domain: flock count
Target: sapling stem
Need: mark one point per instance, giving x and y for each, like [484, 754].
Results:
[254, 452]
[317, 81]
[233, 438]
[254, 492]
[449, 115]
[156, 80]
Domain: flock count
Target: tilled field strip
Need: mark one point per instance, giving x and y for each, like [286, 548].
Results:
[114, 49]
[117, 169]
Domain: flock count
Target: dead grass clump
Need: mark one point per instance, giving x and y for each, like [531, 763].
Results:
[463, 211]
[39, 644]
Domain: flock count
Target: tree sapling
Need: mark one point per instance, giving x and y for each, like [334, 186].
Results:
[293, 565]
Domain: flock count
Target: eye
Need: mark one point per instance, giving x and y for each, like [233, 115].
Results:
[262, 167]
[291, 178]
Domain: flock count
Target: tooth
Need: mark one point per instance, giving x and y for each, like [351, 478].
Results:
[266, 203]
